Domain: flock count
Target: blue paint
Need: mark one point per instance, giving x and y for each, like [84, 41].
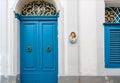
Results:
[17, 15]
[49, 59]
[39, 65]
[105, 24]
[37, 18]
[112, 45]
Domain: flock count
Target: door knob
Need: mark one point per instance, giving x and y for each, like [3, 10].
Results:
[29, 48]
[48, 48]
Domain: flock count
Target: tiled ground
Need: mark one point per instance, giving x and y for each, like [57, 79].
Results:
[71, 79]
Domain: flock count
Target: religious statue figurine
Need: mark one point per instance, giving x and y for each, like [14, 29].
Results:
[72, 37]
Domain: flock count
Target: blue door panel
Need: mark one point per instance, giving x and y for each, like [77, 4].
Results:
[48, 56]
[28, 41]
[49, 59]
[48, 77]
[30, 78]
[29, 58]
[39, 63]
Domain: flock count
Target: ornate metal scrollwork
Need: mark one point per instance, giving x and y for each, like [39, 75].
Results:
[39, 8]
[112, 14]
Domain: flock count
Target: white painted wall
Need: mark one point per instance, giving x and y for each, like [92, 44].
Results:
[88, 45]
[85, 58]
[100, 36]
[71, 25]
[3, 37]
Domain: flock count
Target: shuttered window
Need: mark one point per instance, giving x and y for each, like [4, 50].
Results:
[115, 46]
[112, 45]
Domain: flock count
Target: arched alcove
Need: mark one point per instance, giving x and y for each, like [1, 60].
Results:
[39, 8]
[13, 35]
[21, 3]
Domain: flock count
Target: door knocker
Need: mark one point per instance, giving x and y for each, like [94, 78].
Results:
[72, 37]
[29, 48]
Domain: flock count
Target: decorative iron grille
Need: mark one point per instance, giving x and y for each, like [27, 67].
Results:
[39, 8]
[112, 14]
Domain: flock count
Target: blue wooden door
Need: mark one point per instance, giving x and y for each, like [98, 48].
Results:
[29, 59]
[48, 54]
[38, 51]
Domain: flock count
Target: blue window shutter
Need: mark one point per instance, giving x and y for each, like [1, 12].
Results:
[112, 46]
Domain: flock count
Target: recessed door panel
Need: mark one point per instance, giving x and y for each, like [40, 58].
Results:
[48, 50]
[49, 61]
[29, 57]
[29, 52]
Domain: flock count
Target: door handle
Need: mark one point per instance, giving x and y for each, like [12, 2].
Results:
[48, 49]
[29, 48]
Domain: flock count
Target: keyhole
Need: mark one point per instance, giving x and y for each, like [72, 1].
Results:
[48, 49]
[29, 48]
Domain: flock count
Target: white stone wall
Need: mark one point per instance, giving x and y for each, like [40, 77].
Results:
[85, 58]
[88, 49]
[71, 25]
[3, 36]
